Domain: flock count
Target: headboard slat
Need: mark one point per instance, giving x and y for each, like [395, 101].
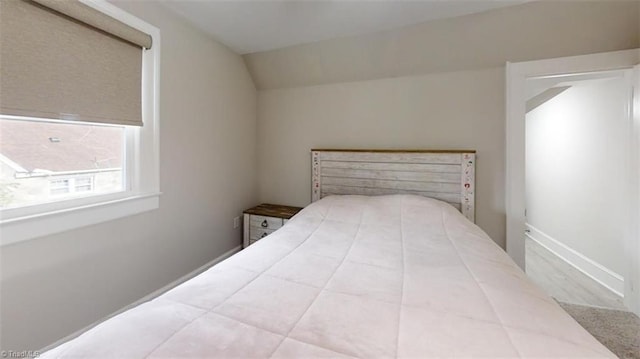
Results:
[394, 157]
[421, 176]
[416, 167]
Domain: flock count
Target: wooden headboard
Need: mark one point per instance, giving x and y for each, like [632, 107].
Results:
[447, 175]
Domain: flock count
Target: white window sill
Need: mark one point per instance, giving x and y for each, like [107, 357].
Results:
[42, 224]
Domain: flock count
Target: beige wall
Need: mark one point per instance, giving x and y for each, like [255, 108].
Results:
[56, 285]
[443, 111]
[452, 94]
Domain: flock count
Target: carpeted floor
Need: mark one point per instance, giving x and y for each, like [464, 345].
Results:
[617, 330]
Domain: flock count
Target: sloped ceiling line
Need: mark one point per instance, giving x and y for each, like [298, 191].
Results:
[540, 99]
[530, 31]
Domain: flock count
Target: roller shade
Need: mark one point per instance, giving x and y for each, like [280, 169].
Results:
[65, 60]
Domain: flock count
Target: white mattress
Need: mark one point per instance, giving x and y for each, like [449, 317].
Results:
[352, 276]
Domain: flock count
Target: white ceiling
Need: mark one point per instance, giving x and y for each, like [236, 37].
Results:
[261, 25]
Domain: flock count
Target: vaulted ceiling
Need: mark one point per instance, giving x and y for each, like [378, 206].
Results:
[254, 26]
[529, 31]
[293, 43]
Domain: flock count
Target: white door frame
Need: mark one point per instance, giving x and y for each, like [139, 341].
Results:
[516, 76]
[632, 277]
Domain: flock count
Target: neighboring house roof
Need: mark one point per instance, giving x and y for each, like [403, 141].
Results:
[56, 147]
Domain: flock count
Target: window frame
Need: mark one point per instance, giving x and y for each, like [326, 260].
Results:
[142, 189]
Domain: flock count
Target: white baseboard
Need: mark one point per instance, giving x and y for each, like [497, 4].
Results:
[149, 296]
[594, 270]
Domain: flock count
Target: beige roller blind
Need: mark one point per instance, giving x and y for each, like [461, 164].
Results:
[95, 18]
[56, 66]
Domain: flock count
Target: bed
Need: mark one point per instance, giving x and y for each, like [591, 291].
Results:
[385, 262]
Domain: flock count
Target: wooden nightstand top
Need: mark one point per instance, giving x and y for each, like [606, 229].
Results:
[273, 210]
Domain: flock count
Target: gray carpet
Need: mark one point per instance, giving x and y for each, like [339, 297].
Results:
[617, 330]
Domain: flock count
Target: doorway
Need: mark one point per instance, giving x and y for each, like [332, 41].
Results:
[577, 145]
[517, 75]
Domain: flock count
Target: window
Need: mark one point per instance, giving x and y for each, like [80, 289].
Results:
[74, 156]
[71, 186]
[45, 161]
[56, 187]
[85, 184]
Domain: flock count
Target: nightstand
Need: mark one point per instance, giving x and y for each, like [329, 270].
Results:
[262, 220]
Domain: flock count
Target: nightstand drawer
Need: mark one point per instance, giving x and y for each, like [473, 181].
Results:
[264, 222]
[259, 233]
[260, 221]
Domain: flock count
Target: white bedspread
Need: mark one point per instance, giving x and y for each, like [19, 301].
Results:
[352, 276]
